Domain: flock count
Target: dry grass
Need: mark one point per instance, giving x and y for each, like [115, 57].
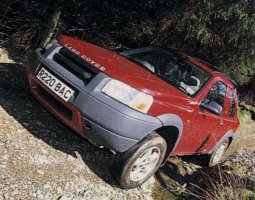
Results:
[230, 183]
[246, 132]
[219, 184]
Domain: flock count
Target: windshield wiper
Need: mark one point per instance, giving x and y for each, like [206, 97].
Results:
[140, 63]
[175, 83]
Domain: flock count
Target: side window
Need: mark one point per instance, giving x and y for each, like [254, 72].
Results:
[217, 94]
[232, 108]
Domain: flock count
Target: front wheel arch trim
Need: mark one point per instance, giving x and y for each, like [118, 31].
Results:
[174, 121]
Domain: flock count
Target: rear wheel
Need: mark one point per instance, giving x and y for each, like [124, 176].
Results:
[133, 167]
[216, 156]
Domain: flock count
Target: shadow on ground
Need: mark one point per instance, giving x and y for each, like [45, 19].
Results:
[172, 179]
[16, 99]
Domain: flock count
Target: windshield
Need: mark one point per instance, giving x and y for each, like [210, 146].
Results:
[171, 67]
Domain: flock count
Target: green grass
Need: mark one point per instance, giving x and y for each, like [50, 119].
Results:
[248, 107]
[245, 111]
[239, 170]
[234, 193]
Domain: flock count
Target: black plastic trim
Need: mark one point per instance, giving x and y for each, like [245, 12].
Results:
[75, 65]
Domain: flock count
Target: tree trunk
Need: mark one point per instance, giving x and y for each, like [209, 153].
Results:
[55, 7]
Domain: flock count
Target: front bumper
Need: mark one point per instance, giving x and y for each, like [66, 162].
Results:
[95, 116]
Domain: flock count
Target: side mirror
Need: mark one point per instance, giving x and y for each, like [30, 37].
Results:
[212, 107]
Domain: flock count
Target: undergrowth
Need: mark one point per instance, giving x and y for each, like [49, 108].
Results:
[222, 184]
[245, 110]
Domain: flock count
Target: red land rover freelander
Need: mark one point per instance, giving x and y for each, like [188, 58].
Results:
[145, 104]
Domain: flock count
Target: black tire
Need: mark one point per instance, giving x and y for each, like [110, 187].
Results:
[216, 156]
[124, 168]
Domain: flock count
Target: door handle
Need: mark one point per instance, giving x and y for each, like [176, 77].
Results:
[221, 122]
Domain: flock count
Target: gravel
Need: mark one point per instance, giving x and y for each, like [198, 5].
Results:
[245, 161]
[42, 159]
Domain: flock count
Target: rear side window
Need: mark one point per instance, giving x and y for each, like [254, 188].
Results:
[217, 93]
[232, 108]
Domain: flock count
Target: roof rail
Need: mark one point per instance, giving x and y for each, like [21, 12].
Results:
[214, 68]
[230, 78]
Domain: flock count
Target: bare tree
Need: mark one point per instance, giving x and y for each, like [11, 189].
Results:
[54, 15]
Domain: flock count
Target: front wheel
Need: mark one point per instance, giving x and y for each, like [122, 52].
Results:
[135, 166]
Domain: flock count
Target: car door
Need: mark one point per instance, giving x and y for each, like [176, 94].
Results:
[231, 121]
[209, 125]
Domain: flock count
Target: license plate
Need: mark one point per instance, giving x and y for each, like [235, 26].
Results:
[54, 84]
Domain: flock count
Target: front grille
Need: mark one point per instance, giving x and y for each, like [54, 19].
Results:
[75, 65]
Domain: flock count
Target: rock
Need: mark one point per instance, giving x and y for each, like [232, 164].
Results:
[1, 196]
[67, 185]
[15, 192]
[65, 198]
[40, 172]
[19, 130]
[243, 158]
[46, 186]
[75, 171]
[5, 157]
[25, 124]
[6, 196]
[40, 196]
[71, 158]
[59, 190]
[44, 151]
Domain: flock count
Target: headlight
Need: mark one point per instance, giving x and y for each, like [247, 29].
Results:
[128, 95]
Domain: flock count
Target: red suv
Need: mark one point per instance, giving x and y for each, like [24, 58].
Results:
[145, 104]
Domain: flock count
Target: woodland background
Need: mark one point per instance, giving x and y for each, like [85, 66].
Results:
[221, 32]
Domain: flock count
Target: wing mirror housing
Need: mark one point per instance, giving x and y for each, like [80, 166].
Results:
[212, 107]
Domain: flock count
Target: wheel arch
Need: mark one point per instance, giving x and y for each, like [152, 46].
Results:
[171, 131]
[230, 135]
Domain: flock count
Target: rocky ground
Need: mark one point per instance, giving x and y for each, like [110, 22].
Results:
[246, 160]
[42, 159]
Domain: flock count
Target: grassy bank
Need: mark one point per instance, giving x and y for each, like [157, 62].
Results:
[181, 180]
